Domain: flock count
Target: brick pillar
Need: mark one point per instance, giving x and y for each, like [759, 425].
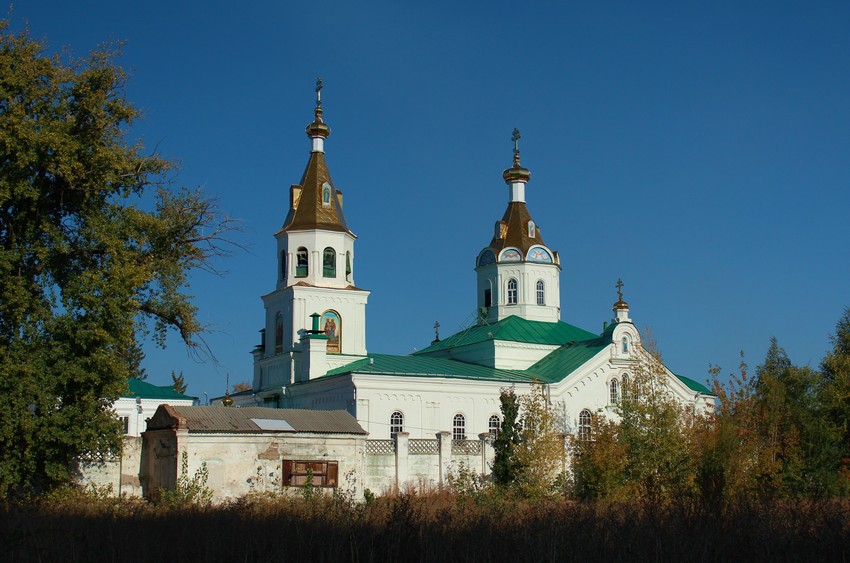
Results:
[444, 441]
[402, 449]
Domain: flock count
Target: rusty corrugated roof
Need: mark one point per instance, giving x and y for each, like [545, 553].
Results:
[241, 420]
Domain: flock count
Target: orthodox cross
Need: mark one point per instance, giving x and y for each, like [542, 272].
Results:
[436, 331]
[515, 138]
[319, 85]
[619, 289]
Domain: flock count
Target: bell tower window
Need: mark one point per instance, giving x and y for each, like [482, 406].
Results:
[329, 263]
[512, 292]
[541, 292]
[278, 333]
[488, 297]
[347, 266]
[282, 264]
[301, 267]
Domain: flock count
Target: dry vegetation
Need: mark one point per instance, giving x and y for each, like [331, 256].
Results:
[435, 527]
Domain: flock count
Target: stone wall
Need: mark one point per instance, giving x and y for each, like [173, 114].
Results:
[120, 472]
[422, 464]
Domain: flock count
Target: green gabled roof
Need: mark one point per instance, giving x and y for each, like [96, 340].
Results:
[694, 385]
[514, 329]
[385, 364]
[144, 390]
[566, 359]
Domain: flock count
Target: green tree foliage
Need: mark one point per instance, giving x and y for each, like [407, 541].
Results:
[834, 393]
[505, 467]
[179, 382]
[94, 247]
[539, 452]
[799, 453]
[648, 453]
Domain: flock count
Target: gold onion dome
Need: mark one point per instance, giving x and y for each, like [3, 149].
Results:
[318, 128]
[516, 173]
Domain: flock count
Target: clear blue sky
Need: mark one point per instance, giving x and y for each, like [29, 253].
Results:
[700, 151]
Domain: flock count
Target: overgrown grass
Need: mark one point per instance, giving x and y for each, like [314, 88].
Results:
[435, 527]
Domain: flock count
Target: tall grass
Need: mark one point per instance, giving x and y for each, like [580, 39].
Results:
[434, 527]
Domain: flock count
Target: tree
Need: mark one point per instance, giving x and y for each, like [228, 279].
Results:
[241, 386]
[539, 451]
[656, 433]
[95, 248]
[179, 382]
[834, 392]
[505, 467]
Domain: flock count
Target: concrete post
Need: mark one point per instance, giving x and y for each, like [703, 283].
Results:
[486, 451]
[402, 449]
[444, 441]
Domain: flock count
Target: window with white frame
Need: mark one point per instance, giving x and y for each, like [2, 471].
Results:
[512, 292]
[625, 385]
[493, 426]
[541, 292]
[396, 423]
[615, 392]
[584, 419]
[459, 427]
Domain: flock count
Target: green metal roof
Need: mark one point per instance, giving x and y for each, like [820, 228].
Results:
[566, 359]
[514, 329]
[145, 390]
[385, 364]
[694, 385]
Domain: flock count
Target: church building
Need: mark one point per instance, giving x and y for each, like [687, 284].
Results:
[313, 353]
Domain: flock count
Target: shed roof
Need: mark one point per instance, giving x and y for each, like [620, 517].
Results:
[216, 419]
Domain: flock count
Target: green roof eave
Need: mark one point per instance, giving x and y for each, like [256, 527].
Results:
[694, 385]
[565, 360]
[513, 329]
[414, 366]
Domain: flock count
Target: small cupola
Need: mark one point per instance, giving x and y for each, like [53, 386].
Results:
[516, 176]
[318, 131]
[620, 308]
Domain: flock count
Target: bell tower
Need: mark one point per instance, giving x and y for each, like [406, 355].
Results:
[517, 273]
[315, 275]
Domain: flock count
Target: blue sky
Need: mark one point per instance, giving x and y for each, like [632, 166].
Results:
[699, 151]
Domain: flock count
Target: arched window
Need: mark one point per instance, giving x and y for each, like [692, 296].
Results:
[488, 297]
[347, 266]
[493, 426]
[584, 425]
[615, 392]
[532, 229]
[625, 345]
[329, 263]
[459, 427]
[541, 292]
[625, 385]
[283, 264]
[278, 333]
[512, 292]
[301, 269]
[396, 423]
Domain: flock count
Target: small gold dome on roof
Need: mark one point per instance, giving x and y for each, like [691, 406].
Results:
[516, 173]
[620, 304]
[318, 128]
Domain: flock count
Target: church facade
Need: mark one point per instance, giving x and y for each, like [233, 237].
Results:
[313, 351]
